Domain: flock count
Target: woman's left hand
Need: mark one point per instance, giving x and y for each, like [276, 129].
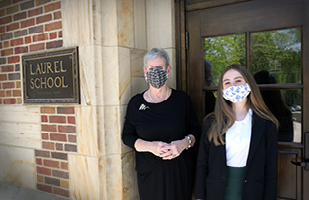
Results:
[174, 149]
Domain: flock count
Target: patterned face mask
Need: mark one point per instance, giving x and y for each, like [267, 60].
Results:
[236, 94]
[156, 77]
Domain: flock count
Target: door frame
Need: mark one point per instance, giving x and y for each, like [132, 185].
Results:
[192, 82]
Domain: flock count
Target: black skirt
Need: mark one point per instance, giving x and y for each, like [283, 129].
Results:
[234, 183]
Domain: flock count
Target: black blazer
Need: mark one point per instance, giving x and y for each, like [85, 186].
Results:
[260, 180]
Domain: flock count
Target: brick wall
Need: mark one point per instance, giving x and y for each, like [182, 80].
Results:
[58, 131]
[25, 27]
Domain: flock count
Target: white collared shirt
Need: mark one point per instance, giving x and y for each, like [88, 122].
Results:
[238, 139]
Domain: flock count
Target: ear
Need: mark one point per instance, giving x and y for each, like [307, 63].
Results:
[144, 68]
[169, 70]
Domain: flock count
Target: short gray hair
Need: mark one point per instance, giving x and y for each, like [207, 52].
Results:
[155, 52]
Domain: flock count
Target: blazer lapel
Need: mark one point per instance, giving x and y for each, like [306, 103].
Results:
[257, 131]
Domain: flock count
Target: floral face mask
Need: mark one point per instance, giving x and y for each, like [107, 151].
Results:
[156, 77]
[236, 94]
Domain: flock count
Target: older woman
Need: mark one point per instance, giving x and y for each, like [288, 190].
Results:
[238, 154]
[162, 128]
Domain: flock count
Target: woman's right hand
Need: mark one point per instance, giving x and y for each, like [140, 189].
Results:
[157, 148]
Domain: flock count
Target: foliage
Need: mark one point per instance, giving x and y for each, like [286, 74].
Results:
[278, 52]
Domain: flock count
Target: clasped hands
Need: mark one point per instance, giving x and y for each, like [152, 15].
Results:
[168, 151]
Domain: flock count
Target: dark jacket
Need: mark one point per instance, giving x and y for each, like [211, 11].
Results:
[260, 182]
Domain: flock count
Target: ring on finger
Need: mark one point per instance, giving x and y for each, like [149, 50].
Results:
[172, 156]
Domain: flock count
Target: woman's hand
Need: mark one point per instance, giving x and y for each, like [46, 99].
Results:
[158, 148]
[174, 149]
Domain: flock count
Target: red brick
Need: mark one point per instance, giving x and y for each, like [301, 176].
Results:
[27, 5]
[16, 1]
[2, 29]
[35, 12]
[20, 33]
[61, 192]
[44, 18]
[7, 52]
[40, 178]
[16, 42]
[2, 93]
[54, 44]
[64, 165]
[8, 93]
[43, 170]
[61, 174]
[57, 119]
[13, 59]
[5, 3]
[44, 118]
[3, 77]
[28, 40]
[59, 147]
[66, 129]
[2, 12]
[51, 163]
[19, 101]
[36, 29]
[48, 145]
[9, 101]
[18, 84]
[57, 15]
[5, 20]
[49, 128]
[53, 26]
[53, 35]
[27, 23]
[37, 47]
[52, 181]
[45, 136]
[60, 34]
[38, 161]
[58, 137]
[48, 110]
[65, 110]
[19, 50]
[45, 188]
[8, 85]
[12, 27]
[16, 93]
[12, 9]
[41, 2]
[7, 68]
[19, 16]
[62, 156]
[65, 184]
[41, 153]
[6, 44]
[70, 147]
[6, 36]
[71, 120]
[0, 101]
[52, 7]
[40, 37]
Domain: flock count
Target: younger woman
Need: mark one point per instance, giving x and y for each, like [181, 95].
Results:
[238, 152]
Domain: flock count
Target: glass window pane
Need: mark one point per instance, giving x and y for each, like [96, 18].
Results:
[278, 52]
[220, 52]
[285, 105]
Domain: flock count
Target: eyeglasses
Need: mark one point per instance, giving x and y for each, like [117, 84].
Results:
[153, 67]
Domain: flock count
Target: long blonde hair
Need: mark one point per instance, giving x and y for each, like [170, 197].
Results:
[224, 114]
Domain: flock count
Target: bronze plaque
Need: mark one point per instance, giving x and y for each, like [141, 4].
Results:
[51, 77]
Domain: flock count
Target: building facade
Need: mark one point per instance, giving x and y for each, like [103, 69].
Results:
[74, 150]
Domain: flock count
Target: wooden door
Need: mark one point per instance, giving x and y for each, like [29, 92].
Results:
[197, 20]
